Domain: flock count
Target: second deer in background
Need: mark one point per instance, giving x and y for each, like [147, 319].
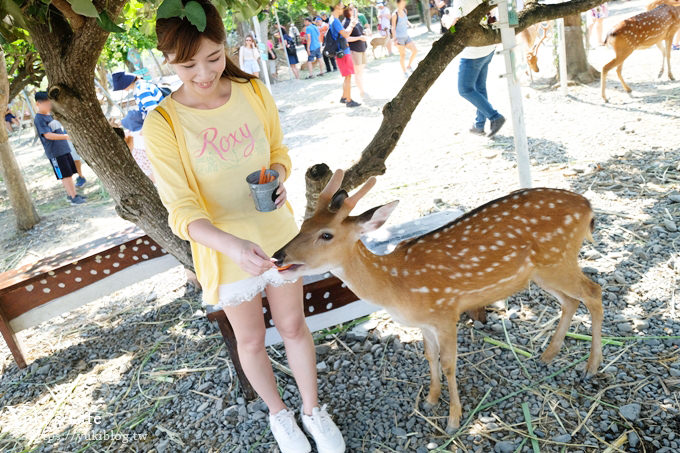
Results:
[643, 30]
[486, 255]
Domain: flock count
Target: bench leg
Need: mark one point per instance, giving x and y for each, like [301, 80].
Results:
[230, 342]
[11, 340]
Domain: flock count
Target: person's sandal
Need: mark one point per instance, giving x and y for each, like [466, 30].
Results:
[352, 104]
[343, 100]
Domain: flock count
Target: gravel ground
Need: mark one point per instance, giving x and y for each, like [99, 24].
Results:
[143, 367]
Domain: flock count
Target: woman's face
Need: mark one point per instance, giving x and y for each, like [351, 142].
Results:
[249, 41]
[202, 73]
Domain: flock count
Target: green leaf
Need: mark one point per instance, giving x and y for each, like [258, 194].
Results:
[196, 15]
[107, 24]
[84, 8]
[170, 8]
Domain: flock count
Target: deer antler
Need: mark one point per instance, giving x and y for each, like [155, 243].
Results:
[330, 189]
[352, 201]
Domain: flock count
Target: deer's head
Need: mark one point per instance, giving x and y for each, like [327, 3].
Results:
[330, 233]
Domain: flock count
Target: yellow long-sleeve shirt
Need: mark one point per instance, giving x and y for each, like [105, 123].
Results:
[200, 174]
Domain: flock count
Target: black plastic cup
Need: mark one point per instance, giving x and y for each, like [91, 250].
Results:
[264, 195]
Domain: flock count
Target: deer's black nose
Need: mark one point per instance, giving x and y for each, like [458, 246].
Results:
[279, 257]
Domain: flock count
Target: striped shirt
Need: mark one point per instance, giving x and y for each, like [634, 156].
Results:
[147, 95]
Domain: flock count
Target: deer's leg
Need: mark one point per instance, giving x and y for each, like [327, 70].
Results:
[617, 62]
[432, 354]
[574, 284]
[569, 306]
[619, 68]
[603, 77]
[663, 57]
[669, 47]
[449, 349]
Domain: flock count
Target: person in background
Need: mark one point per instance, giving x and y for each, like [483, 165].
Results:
[676, 41]
[357, 45]
[291, 52]
[133, 122]
[147, 95]
[360, 16]
[323, 27]
[249, 57]
[202, 185]
[345, 63]
[10, 121]
[325, 18]
[598, 15]
[441, 6]
[472, 72]
[55, 143]
[403, 41]
[294, 33]
[271, 60]
[385, 25]
[313, 47]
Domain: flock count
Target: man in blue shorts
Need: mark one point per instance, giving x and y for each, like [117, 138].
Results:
[313, 47]
[55, 142]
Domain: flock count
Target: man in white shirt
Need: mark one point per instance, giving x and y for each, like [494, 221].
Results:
[472, 72]
[384, 25]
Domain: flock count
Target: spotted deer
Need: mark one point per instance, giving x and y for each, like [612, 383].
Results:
[639, 32]
[486, 255]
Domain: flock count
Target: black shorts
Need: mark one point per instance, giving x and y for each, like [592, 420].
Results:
[63, 166]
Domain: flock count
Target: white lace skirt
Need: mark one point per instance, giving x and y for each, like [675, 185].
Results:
[236, 293]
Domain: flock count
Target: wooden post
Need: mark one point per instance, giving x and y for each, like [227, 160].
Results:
[562, 55]
[285, 52]
[517, 111]
[258, 34]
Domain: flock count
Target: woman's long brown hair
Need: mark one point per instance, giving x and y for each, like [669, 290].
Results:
[180, 37]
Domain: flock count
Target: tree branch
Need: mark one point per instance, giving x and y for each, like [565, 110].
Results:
[76, 20]
[397, 112]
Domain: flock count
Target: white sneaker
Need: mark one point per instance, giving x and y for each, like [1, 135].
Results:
[287, 433]
[320, 426]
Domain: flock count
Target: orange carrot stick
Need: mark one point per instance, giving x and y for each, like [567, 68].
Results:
[262, 173]
[284, 267]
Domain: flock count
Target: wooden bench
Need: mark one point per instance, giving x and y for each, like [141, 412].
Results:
[52, 286]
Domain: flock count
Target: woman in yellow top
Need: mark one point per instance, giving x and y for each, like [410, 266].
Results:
[221, 130]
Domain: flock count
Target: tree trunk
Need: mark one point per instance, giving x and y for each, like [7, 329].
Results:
[24, 212]
[425, 15]
[578, 68]
[397, 113]
[70, 65]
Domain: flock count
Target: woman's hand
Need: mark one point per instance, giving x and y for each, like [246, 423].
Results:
[249, 257]
[282, 196]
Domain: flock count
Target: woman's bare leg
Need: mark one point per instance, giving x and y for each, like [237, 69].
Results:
[246, 320]
[412, 47]
[287, 312]
[359, 78]
[402, 57]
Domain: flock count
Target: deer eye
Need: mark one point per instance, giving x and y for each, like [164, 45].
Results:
[326, 236]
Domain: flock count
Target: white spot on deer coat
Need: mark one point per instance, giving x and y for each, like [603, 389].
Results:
[567, 219]
[422, 289]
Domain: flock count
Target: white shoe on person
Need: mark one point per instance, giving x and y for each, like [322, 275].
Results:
[325, 433]
[287, 433]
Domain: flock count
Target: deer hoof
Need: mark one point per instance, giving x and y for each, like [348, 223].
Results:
[451, 428]
[428, 406]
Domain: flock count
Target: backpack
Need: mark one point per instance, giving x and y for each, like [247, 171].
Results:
[165, 90]
[290, 46]
[334, 47]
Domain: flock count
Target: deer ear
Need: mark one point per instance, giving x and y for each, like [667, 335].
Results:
[337, 200]
[375, 218]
